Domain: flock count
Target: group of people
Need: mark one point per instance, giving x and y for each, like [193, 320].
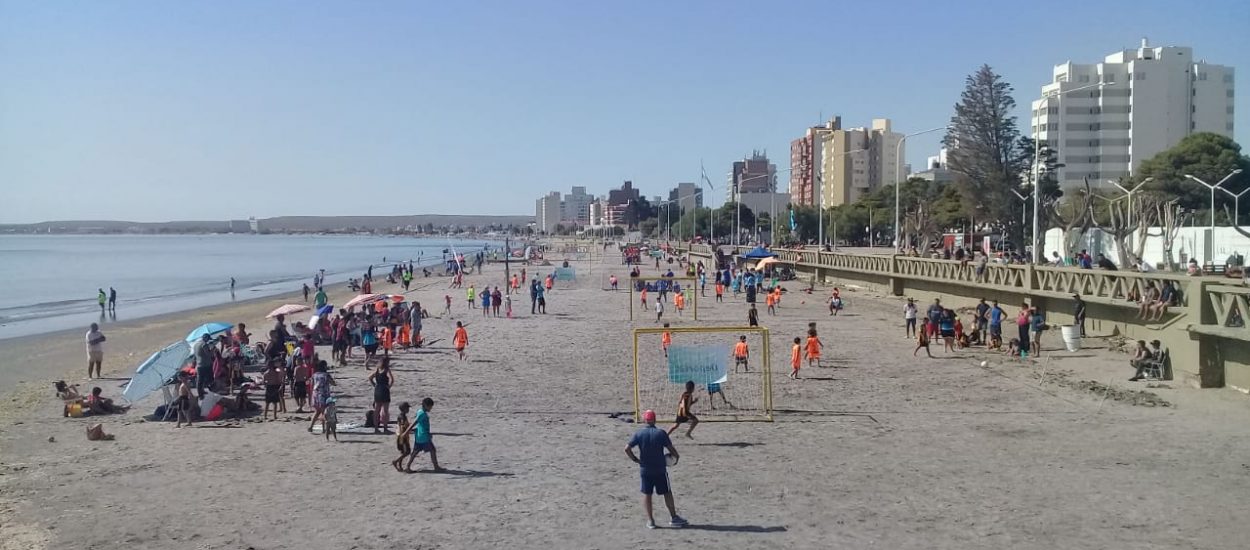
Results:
[107, 301]
[984, 327]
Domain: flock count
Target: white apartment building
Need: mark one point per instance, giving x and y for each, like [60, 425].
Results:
[547, 212]
[1151, 98]
[576, 207]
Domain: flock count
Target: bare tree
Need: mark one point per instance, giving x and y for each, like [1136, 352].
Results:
[1079, 214]
[1172, 218]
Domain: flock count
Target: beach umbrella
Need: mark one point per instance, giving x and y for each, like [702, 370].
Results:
[153, 373]
[397, 298]
[766, 262]
[287, 310]
[325, 310]
[758, 252]
[363, 299]
[210, 329]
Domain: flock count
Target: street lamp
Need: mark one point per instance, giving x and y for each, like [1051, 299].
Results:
[1024, 201]
[820, 209]
[711, 225]
[1129, 194]
[898, 182]
[1236, 203]
[1213, 188]
[1037, 163]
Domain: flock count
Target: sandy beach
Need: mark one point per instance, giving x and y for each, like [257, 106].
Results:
[876, 449]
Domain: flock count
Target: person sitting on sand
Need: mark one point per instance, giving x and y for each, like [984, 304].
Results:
[102, 405]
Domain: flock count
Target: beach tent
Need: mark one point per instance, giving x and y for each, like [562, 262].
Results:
[159, 368]
[211, 329]
[766, 262]
[757, 253]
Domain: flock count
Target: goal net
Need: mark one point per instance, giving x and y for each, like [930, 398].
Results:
[665, 289]
[727, 388]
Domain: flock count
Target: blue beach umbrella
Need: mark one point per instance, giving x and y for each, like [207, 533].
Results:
[325, 310]
[210, 329]
[153, 373]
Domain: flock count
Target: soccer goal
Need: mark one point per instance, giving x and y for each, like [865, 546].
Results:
[667, 289]
[730, 385]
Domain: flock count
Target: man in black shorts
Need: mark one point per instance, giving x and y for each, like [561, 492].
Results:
[274, 378]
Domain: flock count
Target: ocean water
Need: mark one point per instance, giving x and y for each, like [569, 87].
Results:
[49, 282]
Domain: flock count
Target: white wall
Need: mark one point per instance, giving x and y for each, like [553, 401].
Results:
[1190, 242]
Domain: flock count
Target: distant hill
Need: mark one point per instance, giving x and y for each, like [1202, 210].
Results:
[279, 224]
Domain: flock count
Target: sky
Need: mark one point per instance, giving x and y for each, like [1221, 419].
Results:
[154, 111]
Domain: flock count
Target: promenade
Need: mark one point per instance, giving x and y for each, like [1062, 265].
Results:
[876, 450]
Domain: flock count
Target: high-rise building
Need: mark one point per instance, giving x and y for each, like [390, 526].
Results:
[576, 206]
[857, 160]
[688, 196]
[547, 212]
[752, 175]
[622, 196]
[805, 162]
[1151, 98]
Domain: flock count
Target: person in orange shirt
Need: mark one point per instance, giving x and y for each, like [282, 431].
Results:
[771, 301]
[548, 282]
[388, 341]
[460, 340]
[720, 292]
[666, 340]
[405, 335]
[679, 300]
[814, 345]
[796, 358]
[777, 298]
[741, 354]
[644, 296]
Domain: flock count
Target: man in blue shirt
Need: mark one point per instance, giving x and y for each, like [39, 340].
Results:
[996, 322]
[651, 442]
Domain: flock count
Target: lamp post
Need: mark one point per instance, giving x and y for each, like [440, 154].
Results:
[1236, 203]
[1037, 164]
[1213, 188]
[820, 208]
[711, 225]
[1024, 200]
[898, 182]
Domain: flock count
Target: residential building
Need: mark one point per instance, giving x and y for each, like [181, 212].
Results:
[1151, 98]
[805, 162]
[935, 169]
[856, 161]
[576, 207]
[688, 196]
[547, 212]
[622, 196]
[752, 175]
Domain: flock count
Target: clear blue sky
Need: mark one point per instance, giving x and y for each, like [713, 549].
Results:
[154, 111]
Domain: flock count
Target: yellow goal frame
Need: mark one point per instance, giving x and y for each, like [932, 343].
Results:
[694, 284]
[768, 371]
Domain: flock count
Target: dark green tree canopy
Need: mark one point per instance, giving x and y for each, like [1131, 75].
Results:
[1204, 155]
[986, 151]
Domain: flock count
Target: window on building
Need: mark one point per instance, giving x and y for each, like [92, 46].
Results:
[1108, 78]
[1229, 93]
[1202, 76]
[1229, 109]
[1228, 78]
[1052, 110]
[1052, 126]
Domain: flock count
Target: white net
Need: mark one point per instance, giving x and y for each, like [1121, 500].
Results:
[727, 386]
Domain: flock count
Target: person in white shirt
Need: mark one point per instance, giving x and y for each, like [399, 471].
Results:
[909, 316]
[95, 350]
[1057, 261]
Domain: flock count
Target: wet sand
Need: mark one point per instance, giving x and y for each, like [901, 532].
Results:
[877, 449]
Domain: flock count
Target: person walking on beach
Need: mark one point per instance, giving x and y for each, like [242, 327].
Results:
[306, 289]
[382, 380]
[414, 321]
[472, 295]
[112, 299]
[447, 305]
[402, 443]
[321, 381]
[753, 317]
[922, 340]
[909, 318]
[542, 301]
[796, 358]
[659, 309]
[320, 299]
[460, 340]
[486, 302]
[534, 290]
[422, 438]
[232, 285]
[814, 347]
[1078, 311]
[95, 350]
[299, 383]
[102, 298]
[653, 467]
[496, 300]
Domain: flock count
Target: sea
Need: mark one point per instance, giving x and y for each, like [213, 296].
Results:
[50, 282]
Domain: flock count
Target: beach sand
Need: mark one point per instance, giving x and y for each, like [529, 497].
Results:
[877, 449]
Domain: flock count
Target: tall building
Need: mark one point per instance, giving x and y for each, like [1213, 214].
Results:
[805, 162]
[1152, 98]
[622, 196]
[547, 212]
[688, 196]
[576, 207]
[856, 161]
[752, 175]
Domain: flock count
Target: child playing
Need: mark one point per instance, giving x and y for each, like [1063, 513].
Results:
[770, 300]
[741, 353]
[714, 388]
[659, 309]
[922, 339]
[814, 345]
[679, 301]
[753, 317]
[330, 420]
[720, 292]
[274, 378]
[684, 413]
[460, 340]
[422, 439]
[401, 438]
[666, 340]
[796, 356]
[184, 402]
[447, 306]
[644, 296]
[507, 305]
